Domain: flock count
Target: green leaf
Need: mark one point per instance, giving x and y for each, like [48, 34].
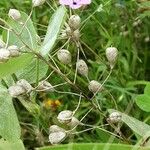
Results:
[147, 89]
[9, 125]
[33, 71]
[94, 146]
[53, 30]
[137, 126]
[28, 36]
[143, 101]
[5, 145]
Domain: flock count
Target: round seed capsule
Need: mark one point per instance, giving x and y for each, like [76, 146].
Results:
[45, 86]
[16, 90]
[74, 122]
[65, 116]
[14, 14]
[112, 54]
[82, 67]
[55, 128]
[64, 56]
[114, 117]
[25, 84]
[57, 137]
[76, 35]
[95, 86]
[4, 55]
[14, 51]
[74, 22]
[36, 3]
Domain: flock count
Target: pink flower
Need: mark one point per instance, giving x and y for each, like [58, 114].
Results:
[74, 4]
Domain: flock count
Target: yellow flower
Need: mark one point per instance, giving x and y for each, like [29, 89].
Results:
[49, 103]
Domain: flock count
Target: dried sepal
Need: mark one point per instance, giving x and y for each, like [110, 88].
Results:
[14, 14]
[82, 67]
[95, 86]
[65, 116]
[112, 54]
[4, 55]
[14, 51]
[64, 56]
[74, 122]
[114, 117]
[16, 91]
[74, 22]
[45, 86]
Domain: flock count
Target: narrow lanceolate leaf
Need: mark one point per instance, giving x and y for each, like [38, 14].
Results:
[137, 126]
[94, 146]
[53, 30]
[27, 37]
[9, 125]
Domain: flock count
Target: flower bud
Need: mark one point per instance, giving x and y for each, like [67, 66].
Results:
[111, 54]
[55, 128]
[82, 67]
[14, 51]
[57, 137]
[74, 122]
[4, 55]
[2, 44]
[64, 56]
[74, 22]
[95, 86]
[14, 14]
[65, 116]
[114, 117]
[45, 86]
[25, 84]
[36, 3]
[16, 90]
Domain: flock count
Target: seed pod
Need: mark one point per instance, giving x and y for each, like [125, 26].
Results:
[74, 22]
[14, 14]
[64, 56]
[25, 84]
[14, 51]
[45, 86]
[2, 44]
[95, 86]
[55, 128]
[82, 67]
[57, 137]
[68, 31]
[4, 55]
[16, 90]
[36, 3]
[76, 35]
[65, 116]
[111, 54]
[74, 122]
[114, 117]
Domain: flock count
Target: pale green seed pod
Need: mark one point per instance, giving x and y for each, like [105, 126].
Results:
[36, 3]
[14, 14]
[14, 51]
[65, 116]
[64, 56]
[95, 86]
[4, 55]
[76, 35]
[55, 128]
[112, 54]
[114, 117]
[74, 22]
[82, 67]
[74, 122]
